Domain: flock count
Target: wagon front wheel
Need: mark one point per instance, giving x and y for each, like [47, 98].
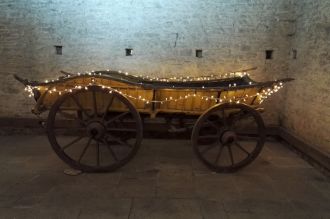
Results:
[228, 137]
[94, 129]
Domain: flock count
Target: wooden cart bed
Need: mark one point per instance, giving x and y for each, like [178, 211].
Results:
[94, 122]
[190, 96]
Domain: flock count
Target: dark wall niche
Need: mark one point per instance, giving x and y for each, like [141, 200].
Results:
[199, 53]
[269, 54]
[129, 51]
[294, 53]
[58, 49]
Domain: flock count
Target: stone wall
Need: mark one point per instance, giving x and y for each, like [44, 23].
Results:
[307, 102]
[163, 34]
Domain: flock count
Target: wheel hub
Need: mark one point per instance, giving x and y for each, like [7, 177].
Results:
[95, 130]
[228, 137]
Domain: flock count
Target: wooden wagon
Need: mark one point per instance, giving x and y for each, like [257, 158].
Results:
[94, 122]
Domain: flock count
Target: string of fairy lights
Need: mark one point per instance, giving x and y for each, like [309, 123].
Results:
[186, 78]
[262, 95]
[151, 78]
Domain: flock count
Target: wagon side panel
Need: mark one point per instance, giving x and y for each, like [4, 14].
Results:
[185, 101]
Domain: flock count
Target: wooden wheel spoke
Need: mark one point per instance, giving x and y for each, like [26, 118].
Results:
[108, 106]
[224, 120]
[80, 106]
[231, 155]
[98, 154]
[66, 115]
[84, 150]
[71, 116]
[212, 124]
[117, 117]
[209, 147]
[241, 115]
[118, 140]
[121, 129]
[240, 147]
[94, 103]
[243, 137]
[112, 153]
[72, 142]
[233, 118]
[219, 154]
[208, 137]
[244, 115]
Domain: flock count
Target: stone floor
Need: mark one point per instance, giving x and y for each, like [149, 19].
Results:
[165, 180]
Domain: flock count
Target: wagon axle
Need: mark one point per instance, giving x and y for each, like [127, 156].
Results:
[96, 130]
[228, 137]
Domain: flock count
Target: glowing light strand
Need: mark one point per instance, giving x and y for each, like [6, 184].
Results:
[264, 94]
[170, 79]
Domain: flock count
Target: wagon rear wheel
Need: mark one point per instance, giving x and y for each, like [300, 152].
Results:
[94, 130]
[228, 136]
